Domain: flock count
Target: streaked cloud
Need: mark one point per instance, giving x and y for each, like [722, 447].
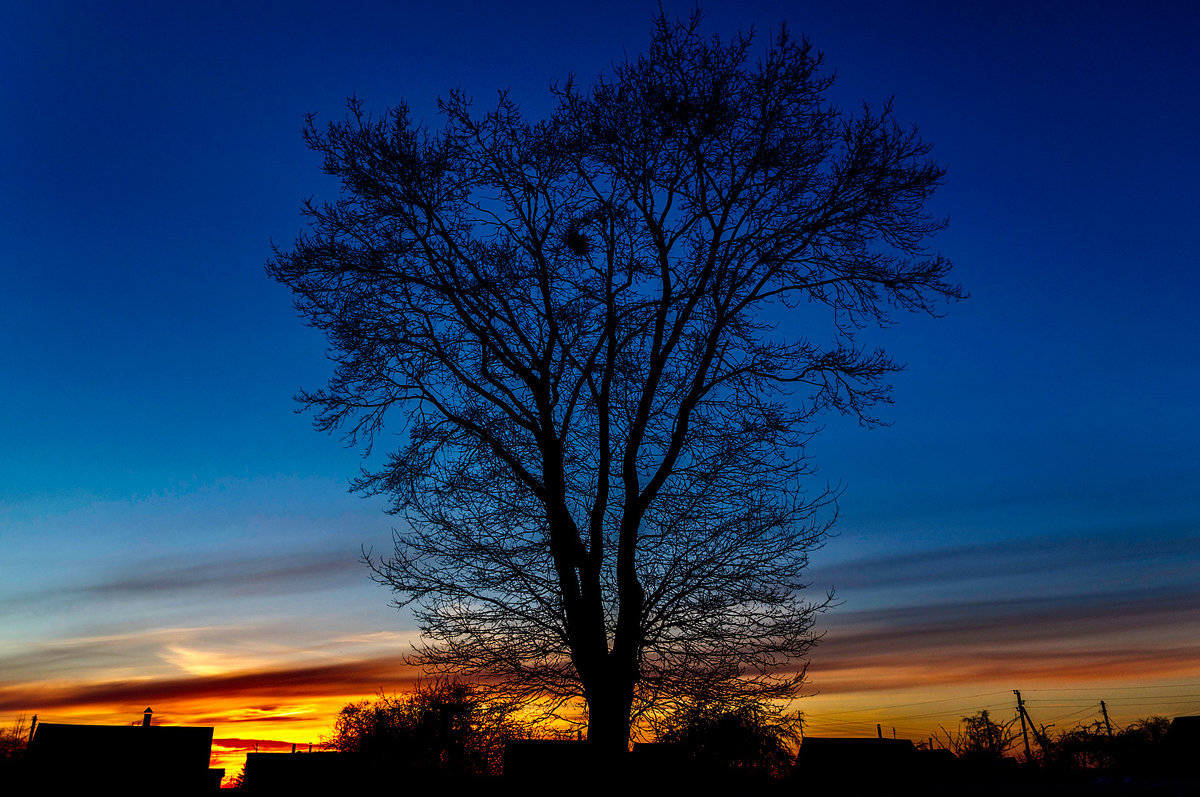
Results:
[1122, 635]
[322, 680]
[1006, 619]
[206, 577]
[1164, 548]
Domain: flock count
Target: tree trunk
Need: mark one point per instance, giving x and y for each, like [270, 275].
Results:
[608, 721]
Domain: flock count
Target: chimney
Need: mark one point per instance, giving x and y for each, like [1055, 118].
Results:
[146, 718]
[32, 728]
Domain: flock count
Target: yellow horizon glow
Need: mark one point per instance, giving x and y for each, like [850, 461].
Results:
[916, 712]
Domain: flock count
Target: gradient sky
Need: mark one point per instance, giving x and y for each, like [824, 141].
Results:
[172, 534]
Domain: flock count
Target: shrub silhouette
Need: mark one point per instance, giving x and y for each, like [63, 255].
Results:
[443, 725]
[748, 736]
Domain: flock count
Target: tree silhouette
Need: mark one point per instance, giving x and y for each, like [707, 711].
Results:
[980, 739]
[14, 739]
[604, 339]
[445, 726]
[1137, 749]
[751, 736]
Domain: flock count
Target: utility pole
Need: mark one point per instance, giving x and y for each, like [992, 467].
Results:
[879, 729]
[1024, 730]
[1107, 724]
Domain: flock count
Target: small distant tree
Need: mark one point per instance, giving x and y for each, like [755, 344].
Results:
[1148, 730]
[238, 781]
[1085, 747]
[1140, 747]
[442, 725]
[14, 739]
[979, 738]
[753, 736]
[1136, 749]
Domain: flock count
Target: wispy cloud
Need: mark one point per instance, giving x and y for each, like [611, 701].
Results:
[1122, 552]
[208, 578]
[148, 654]
[1136, 633]
[323, 680]
[972, 621]
[942, 669]
[244, 746]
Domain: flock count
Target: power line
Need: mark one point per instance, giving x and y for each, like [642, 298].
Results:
[1106, 689]
[1073, 714]
[862, 721]
[925, 702]
[1158, 702]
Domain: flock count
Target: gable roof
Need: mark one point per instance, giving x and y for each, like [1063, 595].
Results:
[155, 747]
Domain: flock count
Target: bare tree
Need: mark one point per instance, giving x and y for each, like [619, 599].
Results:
[605, 337]
[980, 738]
[14, 739]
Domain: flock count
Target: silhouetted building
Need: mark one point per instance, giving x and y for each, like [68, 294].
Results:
[1183, 747]
[859, 765]
[85, 758]
[547, 761]
[1185, 731]
[334, 773]
[305, 773]
[656, 757]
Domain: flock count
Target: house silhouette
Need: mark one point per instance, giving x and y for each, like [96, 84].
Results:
[83, 758]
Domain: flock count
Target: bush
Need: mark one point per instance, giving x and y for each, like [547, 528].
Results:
[1138, 749]
[447, 726]
[750, 736]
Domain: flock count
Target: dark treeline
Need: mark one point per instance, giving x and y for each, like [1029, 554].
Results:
[452, 734]
[458, 737]
[1140, 749]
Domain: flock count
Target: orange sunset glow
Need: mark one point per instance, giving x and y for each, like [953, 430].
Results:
[911, 692]
[895, 348]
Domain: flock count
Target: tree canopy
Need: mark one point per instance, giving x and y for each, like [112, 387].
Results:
[603, 339]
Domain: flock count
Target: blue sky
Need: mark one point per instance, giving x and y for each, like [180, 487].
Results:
[159, 494]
